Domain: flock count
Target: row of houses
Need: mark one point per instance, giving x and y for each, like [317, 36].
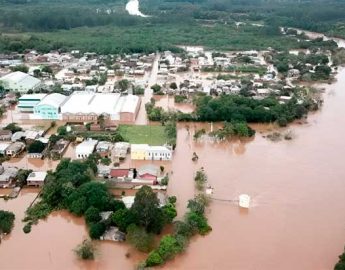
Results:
[8, 175]
[120, 150]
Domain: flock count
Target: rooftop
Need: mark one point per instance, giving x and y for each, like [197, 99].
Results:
[37, 176]
[54, 100]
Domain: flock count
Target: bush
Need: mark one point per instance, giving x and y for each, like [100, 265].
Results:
[6, 221]
[27, 228]
[92, 215]
[139, 238]
[36, 147]
[13, 128]
[106, 161]
[154, 259]
[198, 223]
[169, 247]
[86, 250]
[38, 211]
[96, 230]
[123, 218]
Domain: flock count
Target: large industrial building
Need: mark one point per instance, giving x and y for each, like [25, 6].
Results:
[88, 106]
[20, 82]
[49, 107]
[27, 103]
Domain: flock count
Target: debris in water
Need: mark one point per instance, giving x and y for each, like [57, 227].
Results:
[244, 201]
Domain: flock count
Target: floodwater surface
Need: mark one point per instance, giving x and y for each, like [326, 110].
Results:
[296, 219]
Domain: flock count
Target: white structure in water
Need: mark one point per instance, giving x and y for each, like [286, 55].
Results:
[244, 200]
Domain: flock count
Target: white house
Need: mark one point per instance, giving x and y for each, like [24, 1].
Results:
[36, 178]
[85, 149]
[20, 81]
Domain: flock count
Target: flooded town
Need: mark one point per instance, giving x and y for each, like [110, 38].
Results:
[141, 120]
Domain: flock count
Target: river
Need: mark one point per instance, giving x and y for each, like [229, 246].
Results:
[133, 8]
[296, 220]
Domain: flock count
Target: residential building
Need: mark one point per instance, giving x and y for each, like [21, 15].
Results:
[104, 148]
[5, 135]
[121, 150]
[20, 82]
[49, 107]
[3, 148]
[147, 152]
[15, 149]
[148, 172]
[85, 149]
[36, 179]
[7, 175]
[139, 151]
[29, 101]
[159, 153]
[120, 173]
[59, 148]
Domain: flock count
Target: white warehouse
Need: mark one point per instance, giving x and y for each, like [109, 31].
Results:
[20, 82]
[88, 106]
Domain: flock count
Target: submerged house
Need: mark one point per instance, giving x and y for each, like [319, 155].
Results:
[15, 149]
[36, 179]
[147, 152]
[85, 149]
[7, 175]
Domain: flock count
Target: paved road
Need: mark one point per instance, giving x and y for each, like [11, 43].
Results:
[151, 80]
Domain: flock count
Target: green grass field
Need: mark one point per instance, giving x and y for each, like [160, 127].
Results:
[152, 135]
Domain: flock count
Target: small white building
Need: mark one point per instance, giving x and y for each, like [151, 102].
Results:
[36, 178]
[85, 149]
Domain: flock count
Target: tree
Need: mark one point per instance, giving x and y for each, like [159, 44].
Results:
[96, 230]
[62, 131]
[13, 128]
[36, 147]
[123, 218]
[146, 210]
[139, 238]
[86, 250]
[153, 259]
[22, 176]
[156, 88]
[21, 68]
[92, 215]
[173, 85]
[123, 85]
[170, 212]
[37, 73]
[47, 69]
[6, 221]
[168, 247]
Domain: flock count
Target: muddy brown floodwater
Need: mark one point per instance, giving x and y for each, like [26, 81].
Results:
[296, 220]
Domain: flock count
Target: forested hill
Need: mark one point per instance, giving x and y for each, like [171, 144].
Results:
[45, 15]
[105, 26]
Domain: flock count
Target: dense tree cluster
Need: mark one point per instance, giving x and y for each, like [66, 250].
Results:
[242, 109]
[70, 187]
[193, 223]
[6, 221]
